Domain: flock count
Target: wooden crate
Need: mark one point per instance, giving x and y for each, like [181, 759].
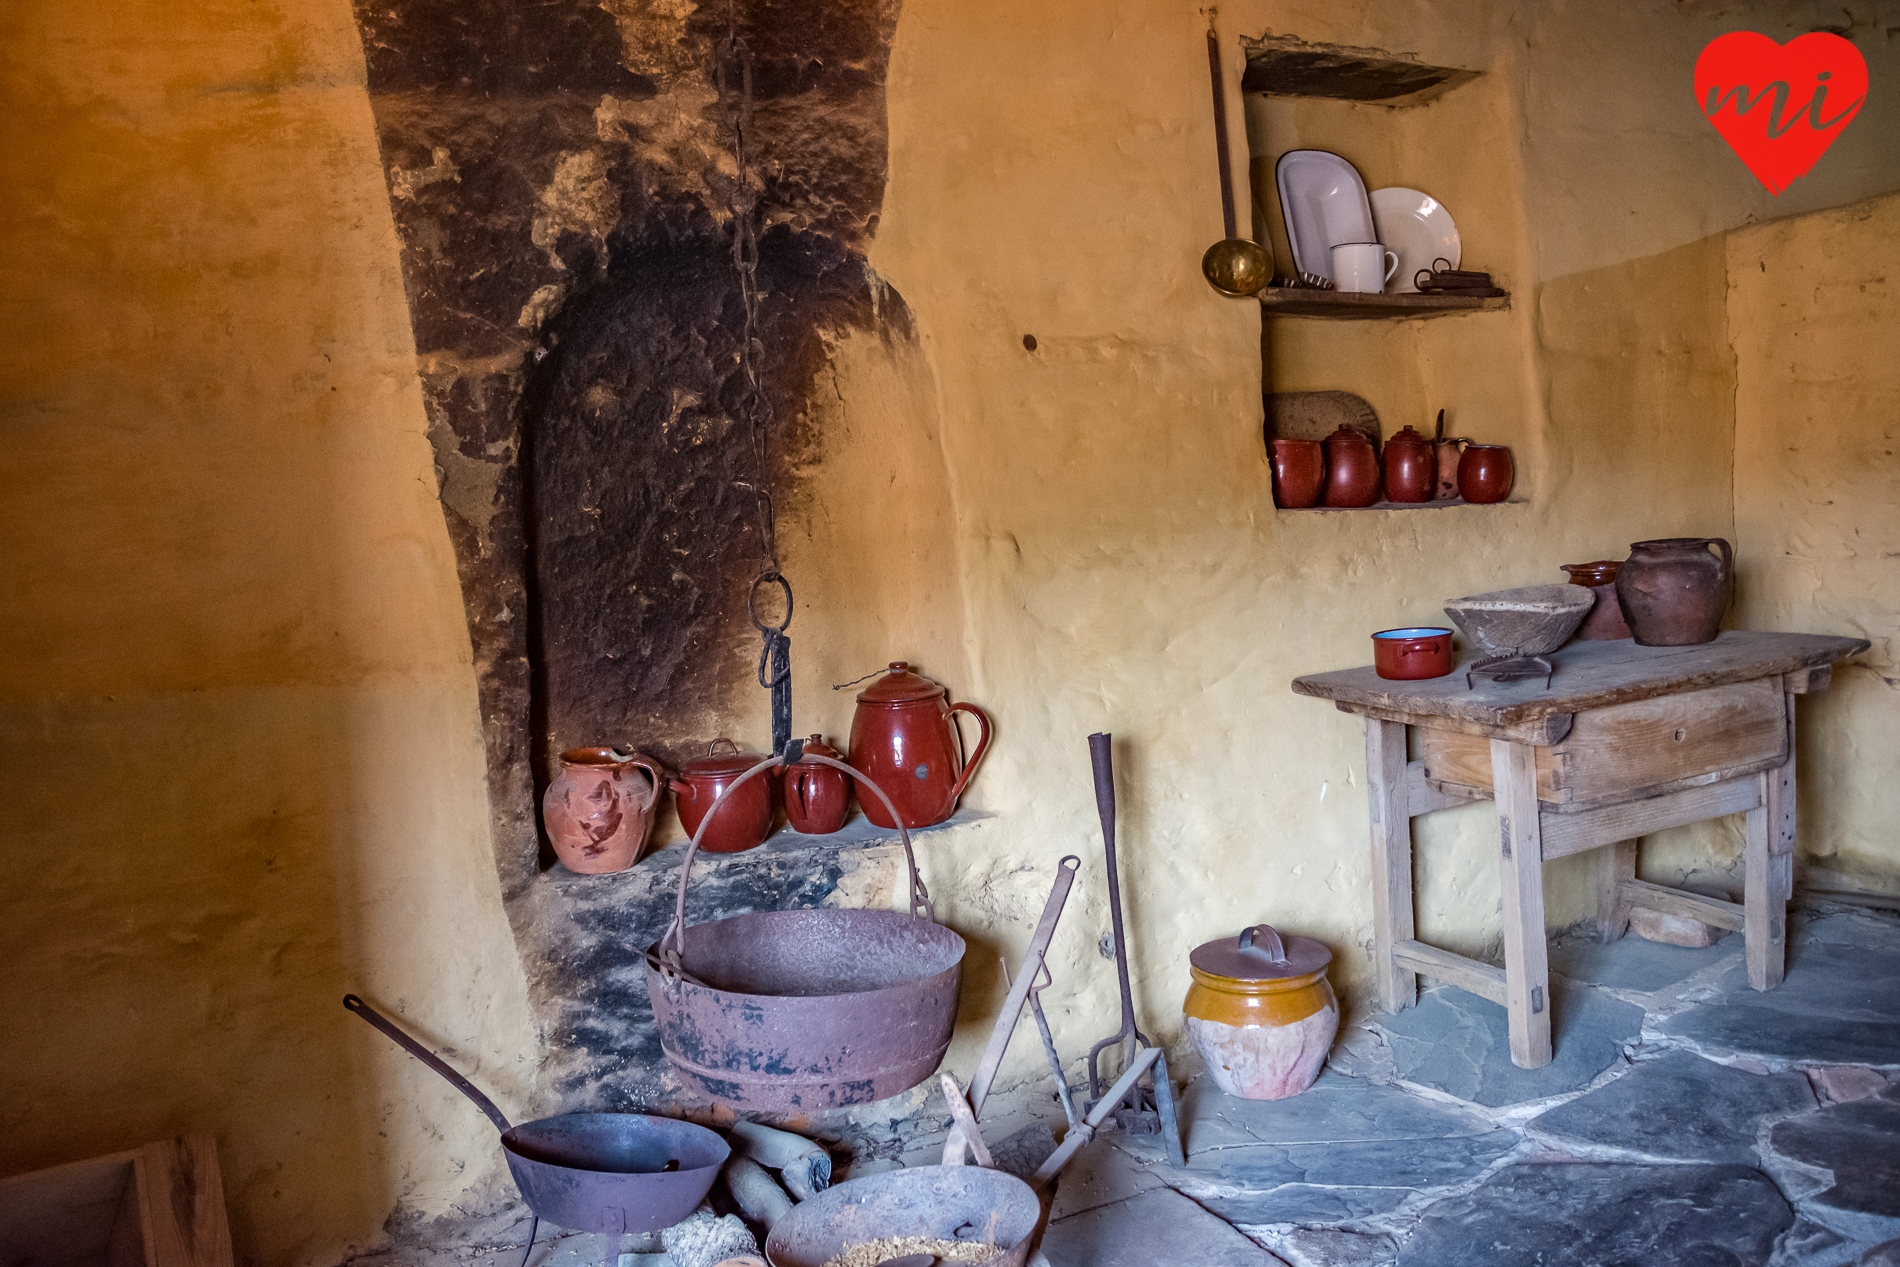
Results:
[1636, 749]
[157, 1206]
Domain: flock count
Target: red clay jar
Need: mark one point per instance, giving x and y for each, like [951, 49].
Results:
[903, 740]
[1299, 473]
[1352, 470]
[745, 819]
[1411, 467]
[1605, 621]
[598, 811]
[817, 797]
[1407, 655]
[1485, 473]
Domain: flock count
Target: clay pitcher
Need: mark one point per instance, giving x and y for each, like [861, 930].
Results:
[1299, 473]
[903, 740]
[817, 797]
[1674, 592]
[1411, 468]
[1352, 470]
[598, 811]
[1448, 453]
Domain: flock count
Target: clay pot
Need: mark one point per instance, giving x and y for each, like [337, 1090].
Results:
[1605, 621]
[745, 820]
[1352, 470]
[1261, 1012]
[1674, 592]
[903, 740]
[1410, 655]
[598, 811]
[1485, 474]
[817, 797]
[1299, 473]
[1446, 453]
[1411, 467]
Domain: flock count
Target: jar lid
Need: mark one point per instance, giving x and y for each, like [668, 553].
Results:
[1261, 954]
[899, 686]
[715, 762]
[1348, 435]
[1407, 436]
[817, 747]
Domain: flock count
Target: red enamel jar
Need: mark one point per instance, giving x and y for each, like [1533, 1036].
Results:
[745, 819]
[1412, 653]
[817, 797]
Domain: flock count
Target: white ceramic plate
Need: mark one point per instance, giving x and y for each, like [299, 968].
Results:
[1416, 228]
[1324, 203]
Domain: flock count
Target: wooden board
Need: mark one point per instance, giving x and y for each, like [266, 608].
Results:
[1294, 302]
[1589, 675]
[1616, 753]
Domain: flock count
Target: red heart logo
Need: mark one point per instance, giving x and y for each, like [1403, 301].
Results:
[1779, 106]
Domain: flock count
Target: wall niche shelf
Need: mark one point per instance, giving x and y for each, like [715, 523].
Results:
[1290, 301]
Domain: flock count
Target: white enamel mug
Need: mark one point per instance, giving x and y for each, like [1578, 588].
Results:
[1357, 267]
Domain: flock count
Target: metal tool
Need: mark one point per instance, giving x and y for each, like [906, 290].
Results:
[1144, 1114]
[1073, 1141]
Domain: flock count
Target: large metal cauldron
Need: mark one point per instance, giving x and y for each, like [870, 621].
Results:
[942, 1202]
[805, 1010]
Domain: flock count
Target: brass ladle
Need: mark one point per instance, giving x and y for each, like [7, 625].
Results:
[1236, 266]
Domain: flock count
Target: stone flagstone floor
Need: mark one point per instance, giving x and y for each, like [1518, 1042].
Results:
[1687, 1121]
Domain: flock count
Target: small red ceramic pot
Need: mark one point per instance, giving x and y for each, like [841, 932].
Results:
[1485, 474]
[745, 819]
[1299, 473]
[817, 797]
[1406, 655]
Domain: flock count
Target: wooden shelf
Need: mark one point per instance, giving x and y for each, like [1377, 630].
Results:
[1354, 510]
[1283, 65]
[1291, 302]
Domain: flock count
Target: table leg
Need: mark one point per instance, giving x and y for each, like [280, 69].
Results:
[1392, 917]
[1768, 871]
[1521, 850]
[1615, 864]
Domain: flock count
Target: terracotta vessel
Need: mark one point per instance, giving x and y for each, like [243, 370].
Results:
[745, 819]
[1447, 454]
[817, 797]
[1605, 621]
[903, 739]
[1352, 469]
[1299, 473]
[1674, 591]
[598, 811]
[1261, 1012]
[1411, 467]
[1485, 473]
[1410, 655]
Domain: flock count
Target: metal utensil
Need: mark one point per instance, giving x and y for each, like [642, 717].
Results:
[1235, 266]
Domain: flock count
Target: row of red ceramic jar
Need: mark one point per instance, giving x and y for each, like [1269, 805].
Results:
[1345, 471]
[599, 810]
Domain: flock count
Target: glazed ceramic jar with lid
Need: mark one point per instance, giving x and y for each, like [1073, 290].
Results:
[1261, 1012]
[745, 819]
[817, 797]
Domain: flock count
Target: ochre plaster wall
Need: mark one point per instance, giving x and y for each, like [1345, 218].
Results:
[242, 768]
[1813, 318]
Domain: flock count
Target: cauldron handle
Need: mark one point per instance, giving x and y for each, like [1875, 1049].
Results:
[920, 903]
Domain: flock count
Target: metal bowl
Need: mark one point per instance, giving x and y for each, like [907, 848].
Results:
[950, 1203]
[606, 1172]
[1531, 621]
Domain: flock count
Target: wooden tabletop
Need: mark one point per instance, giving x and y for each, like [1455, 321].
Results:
[1589, 675]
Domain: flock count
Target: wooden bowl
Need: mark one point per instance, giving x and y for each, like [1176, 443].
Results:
[1535, 620]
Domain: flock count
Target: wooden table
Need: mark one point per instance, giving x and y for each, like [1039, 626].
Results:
[1624, 741]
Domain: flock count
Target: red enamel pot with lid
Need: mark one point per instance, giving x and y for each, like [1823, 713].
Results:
[904, 740]
[1412, 653]
[743, 823]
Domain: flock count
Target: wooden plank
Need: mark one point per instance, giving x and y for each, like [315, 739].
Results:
[1589, 675]
[1467, 974]
[1392, 913]
[1616, 863]
[1768, 869]
[1539, 730]
[1288, 301]
[181, 1204]
[1814, 681]
[1710, 910]
[1565, 834]
[1422, 798]
[1526, 963]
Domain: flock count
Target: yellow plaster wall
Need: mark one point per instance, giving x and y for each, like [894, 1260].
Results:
[242, 768]
[1813, 321]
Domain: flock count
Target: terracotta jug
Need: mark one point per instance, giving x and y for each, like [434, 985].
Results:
[745, 819]
[598, 811]
[1674, 591]
[903, 740]
[1352, 469]
[817, 797]
[1299, 473]
[1448, 453]
[1261, 1012]
[1485, 473]
[1605, 621]
[1411, 467]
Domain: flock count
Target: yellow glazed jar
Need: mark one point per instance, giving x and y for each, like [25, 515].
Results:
[1261, 1012]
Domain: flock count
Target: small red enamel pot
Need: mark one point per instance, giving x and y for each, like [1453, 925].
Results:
[1406, 655]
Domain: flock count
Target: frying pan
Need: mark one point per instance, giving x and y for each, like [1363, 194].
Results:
[592, 1172]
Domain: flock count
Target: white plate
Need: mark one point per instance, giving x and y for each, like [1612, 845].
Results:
[1324, 203]
[1416, 228]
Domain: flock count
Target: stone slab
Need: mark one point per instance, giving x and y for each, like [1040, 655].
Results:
[1101, 1174]
[1859, 1143]
[1633, 963]
[1673, 930]
[1335, 1109]
[1458, 1043]
[1808, 1244]
[1840, 1004]
[1309, 1205]
[1680, 1106]
[1325, 1247]
[1595, 1215]
[1384, 1163]
[1160, 1226]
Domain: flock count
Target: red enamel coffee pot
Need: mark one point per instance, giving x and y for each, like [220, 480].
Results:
[904, 741]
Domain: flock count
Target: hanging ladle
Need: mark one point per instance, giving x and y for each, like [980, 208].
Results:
[1235, 266]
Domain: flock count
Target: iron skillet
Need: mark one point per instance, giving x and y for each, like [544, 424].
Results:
[592, 1172]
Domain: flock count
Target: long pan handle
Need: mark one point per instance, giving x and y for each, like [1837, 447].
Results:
[428, 1058]
[1228, 218]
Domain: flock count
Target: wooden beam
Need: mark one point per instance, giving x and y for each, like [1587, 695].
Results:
[1543, 730]
[1658, 897]
[1422, 798]
[1616, 863]
[1526, 955]
[1467, 974]
[1566, 834]
[181, 1204]
[1391, 860]
[1813, 681]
